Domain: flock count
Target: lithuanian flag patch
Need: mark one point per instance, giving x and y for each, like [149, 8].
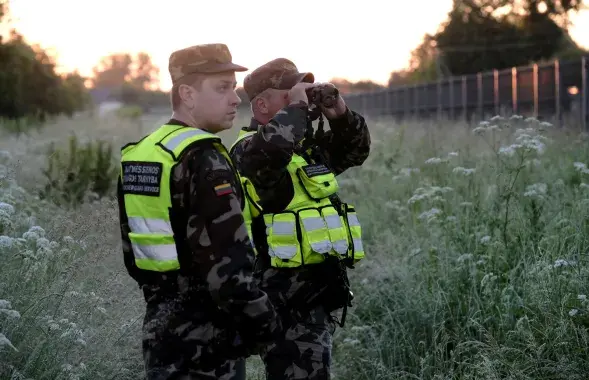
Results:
[223, 189]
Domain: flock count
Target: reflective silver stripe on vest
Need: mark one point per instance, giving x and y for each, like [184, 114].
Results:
[141, 225]
[287, 229]
[353, 220]
[177, 140]
[358, 247]
[285, 251]
[283, 228]
[155, 252]
[316, 223]
[334, 222]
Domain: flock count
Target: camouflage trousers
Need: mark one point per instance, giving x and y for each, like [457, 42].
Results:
[305, 352]
[178, 345]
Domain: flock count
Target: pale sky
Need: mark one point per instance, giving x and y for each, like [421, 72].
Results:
[364, 39]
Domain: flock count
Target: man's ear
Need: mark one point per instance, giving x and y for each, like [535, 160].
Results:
[261, 104]
[187, 95]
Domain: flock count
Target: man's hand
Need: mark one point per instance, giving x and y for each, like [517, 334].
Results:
[338, 109]
[298, 94]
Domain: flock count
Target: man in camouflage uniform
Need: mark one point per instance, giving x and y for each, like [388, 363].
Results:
[207, 314]
[277, 92]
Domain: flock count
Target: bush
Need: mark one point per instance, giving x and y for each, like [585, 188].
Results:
[87, 170]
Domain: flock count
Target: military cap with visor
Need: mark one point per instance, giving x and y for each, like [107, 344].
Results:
[201, 59]
[279, 74]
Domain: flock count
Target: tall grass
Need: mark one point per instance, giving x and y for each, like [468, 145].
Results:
[476, 237]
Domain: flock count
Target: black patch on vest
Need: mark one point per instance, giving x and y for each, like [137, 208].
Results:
[142, 178]
[315, 170]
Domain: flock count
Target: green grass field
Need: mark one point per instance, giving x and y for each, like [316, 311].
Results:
[476, 236]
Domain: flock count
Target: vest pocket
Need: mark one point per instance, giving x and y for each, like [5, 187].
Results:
[315, 236]
[355, 232]
[317, 186]
[336, 229]
[283, 247]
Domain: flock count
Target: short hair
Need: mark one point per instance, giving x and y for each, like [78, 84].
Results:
[195, 80]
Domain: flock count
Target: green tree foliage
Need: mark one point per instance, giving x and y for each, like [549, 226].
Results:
[481, 35]
[130, 80]
[80, 170]
[30, 87]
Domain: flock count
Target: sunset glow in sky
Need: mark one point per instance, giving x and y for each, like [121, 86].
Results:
[353, 40]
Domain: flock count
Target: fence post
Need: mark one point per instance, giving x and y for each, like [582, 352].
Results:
[407, 102]
[451, 95]
[514, 90]
[557, 94]
[387, 103]
[480, 96]
[496, 90]
[585, 94]
[464, 99]
[535, 84]
[439, 93]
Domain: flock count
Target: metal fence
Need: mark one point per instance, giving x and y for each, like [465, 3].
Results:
[545, 91]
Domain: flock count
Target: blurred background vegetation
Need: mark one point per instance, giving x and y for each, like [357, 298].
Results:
[478, 35]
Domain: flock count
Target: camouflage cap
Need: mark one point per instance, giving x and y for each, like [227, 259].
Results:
[204, 59]
[280, 74]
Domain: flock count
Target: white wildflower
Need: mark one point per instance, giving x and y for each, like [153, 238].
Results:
[4, 341]
[544, 125]
[485, 239]
[479, 131]
[581, 167]
[508, 150]
[537, 190]
[351, 342]
[582, 297]
[10, 313]
[563, 263]
[38, 230]
[453, 154]
[5, 155]
[573, 312]
[496, 118]
[464, 171]
[43, 242]
[430, 215]
[9, 209]
[6, 242]
[583, 186]
[433, 161]
[30, 236]
[516, 117]
[68, 240]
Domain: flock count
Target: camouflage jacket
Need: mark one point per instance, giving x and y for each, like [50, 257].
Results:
[215, 252]
[264, 157]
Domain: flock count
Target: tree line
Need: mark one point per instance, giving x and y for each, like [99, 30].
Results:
[478, 35]
[31, 88]
[482, 35]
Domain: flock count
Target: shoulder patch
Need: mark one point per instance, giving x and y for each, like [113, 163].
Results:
[315, 170]
[142, 178]
[223, 189]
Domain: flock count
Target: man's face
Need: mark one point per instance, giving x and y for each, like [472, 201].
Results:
[214, 103]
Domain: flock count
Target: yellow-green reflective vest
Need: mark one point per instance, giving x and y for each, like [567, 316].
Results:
[146, 167]
[310, 228]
